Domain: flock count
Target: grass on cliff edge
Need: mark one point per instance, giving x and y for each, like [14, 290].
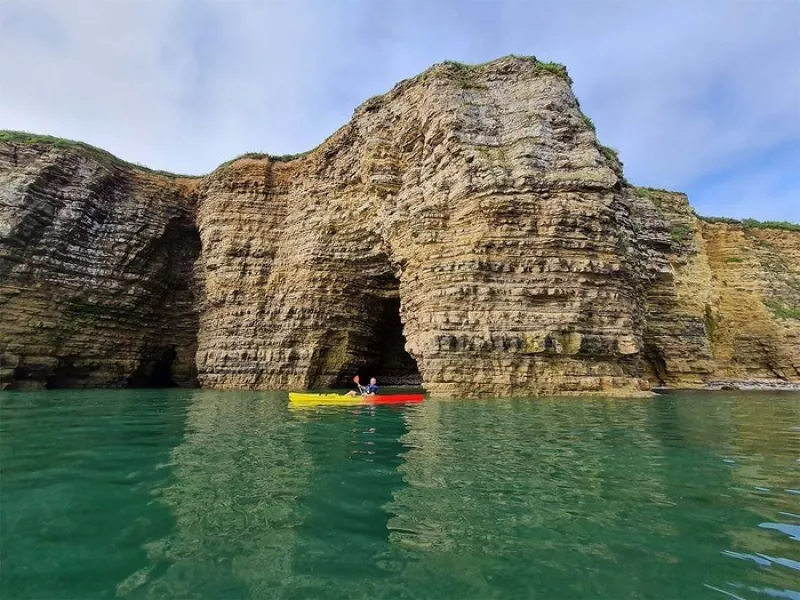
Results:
[753, 223]
[106, 158]
[261, 155]
[98, 154]
[647, 192]
[552, 67]
[610, 153]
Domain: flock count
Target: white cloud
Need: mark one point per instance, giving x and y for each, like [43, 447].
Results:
[100, 80]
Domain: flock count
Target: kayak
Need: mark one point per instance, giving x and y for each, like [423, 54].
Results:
[303, 399]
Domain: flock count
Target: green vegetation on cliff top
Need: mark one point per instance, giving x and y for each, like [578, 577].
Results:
[106, 158]
[102, 156]
[647, 192]
[264, 155]
[552, 67]
[557, 69]
[753, 223]
[464, 73]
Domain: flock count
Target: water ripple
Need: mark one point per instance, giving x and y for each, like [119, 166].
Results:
[170, 494]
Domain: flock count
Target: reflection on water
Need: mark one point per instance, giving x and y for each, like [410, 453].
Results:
[79, 470]
[238, 476]
[606, 499]
[271, 504]
[233, 496]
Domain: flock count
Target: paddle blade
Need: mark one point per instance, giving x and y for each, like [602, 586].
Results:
[355, 378]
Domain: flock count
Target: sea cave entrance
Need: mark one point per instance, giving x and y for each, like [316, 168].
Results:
[154, 371]
[389, 360]
[374, 347]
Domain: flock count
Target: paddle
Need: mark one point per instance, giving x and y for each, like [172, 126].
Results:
[356, 379]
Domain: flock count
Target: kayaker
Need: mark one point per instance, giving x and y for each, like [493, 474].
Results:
[369, 390]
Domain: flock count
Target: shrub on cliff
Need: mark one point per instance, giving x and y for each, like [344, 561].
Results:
[589, 123]
[556, 69]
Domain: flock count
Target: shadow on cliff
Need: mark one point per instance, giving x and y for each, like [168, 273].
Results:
[387, 358]
[375, 348]
[155, 371]
[169, 361]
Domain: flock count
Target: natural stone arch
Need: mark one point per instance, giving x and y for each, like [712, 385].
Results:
[372, 345]
[496, 242]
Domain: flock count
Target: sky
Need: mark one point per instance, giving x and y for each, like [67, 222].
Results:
[699, 96]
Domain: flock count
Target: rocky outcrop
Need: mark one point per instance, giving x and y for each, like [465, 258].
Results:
[466, 230]
[754, 322]
[95, 272]
[677, 348]
[723, 310]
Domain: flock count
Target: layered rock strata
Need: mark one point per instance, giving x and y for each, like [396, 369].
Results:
[95, 273]
[466, 229]
[724, 306]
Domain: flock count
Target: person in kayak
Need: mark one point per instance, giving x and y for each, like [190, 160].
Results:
[369, 390]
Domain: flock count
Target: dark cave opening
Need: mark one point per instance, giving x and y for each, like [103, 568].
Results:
[67, 375]
[155, 372]
[656, 363]
[391, 364]
[380, 349]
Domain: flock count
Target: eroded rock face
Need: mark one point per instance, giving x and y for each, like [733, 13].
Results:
[95, 273]
[473, 207]
[724, 304]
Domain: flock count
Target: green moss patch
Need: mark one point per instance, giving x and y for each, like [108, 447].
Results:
[611, 154]
[679, 233]
[783, 311]
[589, 123]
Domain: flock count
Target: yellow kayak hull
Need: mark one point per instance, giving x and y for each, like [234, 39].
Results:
[300, 399]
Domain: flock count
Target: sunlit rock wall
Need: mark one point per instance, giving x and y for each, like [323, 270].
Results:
[478, 200]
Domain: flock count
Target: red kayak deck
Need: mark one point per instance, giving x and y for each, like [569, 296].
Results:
[393, 399]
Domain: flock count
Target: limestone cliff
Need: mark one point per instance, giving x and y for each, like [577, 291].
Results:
[725, 305]
[466, 230]
[95, 272]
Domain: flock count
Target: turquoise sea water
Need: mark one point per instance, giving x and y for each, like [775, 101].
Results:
[209, 495]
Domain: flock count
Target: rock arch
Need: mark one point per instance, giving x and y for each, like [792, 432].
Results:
[488, 239]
